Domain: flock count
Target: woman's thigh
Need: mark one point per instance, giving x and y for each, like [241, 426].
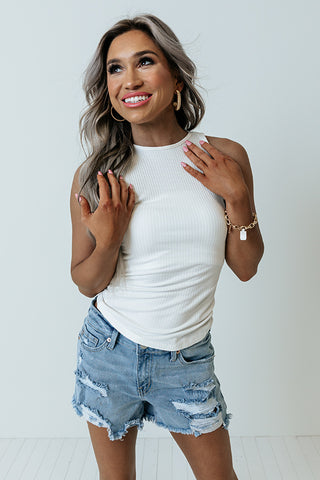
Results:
[209, 454]
[115, 458]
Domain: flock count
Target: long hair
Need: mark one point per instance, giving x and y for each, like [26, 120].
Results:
[110, 142]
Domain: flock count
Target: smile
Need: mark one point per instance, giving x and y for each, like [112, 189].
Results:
[136, 101]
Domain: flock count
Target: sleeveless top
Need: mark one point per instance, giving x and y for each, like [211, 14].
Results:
[162, 292]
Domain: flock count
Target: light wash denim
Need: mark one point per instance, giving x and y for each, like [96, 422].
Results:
[120, 383]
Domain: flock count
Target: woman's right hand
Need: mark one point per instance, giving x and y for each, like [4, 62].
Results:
[109, 222]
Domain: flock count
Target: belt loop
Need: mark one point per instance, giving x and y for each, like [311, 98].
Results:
[174, 355]
[112, 340]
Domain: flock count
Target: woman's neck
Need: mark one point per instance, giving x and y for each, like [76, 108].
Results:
[150, 135]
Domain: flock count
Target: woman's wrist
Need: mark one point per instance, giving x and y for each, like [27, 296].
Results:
[238, 196]
[239, 208]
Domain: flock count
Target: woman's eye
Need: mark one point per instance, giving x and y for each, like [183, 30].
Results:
[113, 68]
[146, 59]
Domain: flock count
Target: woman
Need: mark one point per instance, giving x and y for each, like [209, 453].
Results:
[156, 208]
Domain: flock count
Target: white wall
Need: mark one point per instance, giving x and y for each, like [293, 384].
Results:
[259, 61]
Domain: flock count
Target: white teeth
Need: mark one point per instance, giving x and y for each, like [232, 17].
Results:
[136, 99]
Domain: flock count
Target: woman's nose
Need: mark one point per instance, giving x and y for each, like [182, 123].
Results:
[132, 78]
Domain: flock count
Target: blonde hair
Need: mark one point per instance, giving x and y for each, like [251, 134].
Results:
[110, 142]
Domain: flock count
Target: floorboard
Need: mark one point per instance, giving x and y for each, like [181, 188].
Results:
[254, 458]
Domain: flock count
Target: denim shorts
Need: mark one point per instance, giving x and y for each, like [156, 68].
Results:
[120, 383]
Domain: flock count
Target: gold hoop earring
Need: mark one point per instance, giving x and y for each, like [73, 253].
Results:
[177, 104]
[117, 119]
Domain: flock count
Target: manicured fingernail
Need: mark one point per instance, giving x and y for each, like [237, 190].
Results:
[187, 142]
[185, 149]
[183, 164]
[121, 177]
[80, 199]
[76, 195]
[100, 173]
[201, 142]
[110, 171]
[130, 186]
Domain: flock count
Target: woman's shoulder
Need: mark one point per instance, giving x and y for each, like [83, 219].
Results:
[230, 147]
[224, 144]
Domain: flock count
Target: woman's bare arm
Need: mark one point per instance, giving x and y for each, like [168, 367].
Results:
[95, 250]
[242, 256]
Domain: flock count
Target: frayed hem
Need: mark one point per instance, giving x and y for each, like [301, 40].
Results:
[226, 421]
[150, 418]
[188, 431]
[93, 416]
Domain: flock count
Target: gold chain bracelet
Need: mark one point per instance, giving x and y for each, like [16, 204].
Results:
[243, 228]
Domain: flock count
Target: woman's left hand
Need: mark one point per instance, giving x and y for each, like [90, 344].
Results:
[221, 173]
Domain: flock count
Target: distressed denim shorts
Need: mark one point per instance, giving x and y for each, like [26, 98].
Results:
[120, 383]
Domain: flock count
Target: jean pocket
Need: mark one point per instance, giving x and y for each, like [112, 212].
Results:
[95, 334]
[200, 352]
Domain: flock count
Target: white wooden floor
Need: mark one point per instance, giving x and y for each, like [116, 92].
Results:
[254, 458]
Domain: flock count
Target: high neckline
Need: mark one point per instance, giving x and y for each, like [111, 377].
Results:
[163, 147]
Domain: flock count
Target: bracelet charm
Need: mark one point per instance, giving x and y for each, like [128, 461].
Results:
[243, 234]
[243, 228]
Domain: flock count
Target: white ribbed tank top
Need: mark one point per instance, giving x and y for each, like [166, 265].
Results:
[162, 292]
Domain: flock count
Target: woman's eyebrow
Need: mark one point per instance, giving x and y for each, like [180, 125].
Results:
[137, 54]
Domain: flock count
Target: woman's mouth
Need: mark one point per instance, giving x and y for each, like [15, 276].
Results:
[136, 101]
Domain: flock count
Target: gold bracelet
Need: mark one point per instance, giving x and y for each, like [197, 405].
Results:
[243, 228]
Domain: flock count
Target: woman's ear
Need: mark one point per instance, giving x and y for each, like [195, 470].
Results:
[179, 85]
[179, 82]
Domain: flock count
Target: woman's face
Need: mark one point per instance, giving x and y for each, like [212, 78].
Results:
[136, 67]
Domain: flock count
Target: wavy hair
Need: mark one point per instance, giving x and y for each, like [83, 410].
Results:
[110, 142]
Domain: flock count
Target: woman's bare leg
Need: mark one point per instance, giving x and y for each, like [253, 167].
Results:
[116, 459]
[209, 455]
